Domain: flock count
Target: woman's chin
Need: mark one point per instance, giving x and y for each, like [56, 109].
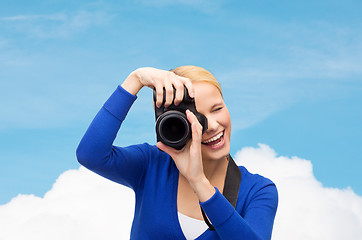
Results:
[217, 151]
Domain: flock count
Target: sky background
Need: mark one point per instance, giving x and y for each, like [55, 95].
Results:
[290, 72]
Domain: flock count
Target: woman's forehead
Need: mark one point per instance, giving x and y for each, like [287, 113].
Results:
[204, 88]
[207, 94]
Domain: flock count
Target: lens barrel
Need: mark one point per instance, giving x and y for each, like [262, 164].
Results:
[173, 129]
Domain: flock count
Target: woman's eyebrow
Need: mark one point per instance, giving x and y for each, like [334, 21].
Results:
[219, 104]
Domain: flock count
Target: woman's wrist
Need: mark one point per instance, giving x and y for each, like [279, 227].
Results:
[132, 84]
[203, 189]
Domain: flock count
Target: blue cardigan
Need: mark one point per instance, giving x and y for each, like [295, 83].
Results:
[153, 176]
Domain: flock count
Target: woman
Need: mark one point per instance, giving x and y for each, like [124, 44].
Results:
[172, 186]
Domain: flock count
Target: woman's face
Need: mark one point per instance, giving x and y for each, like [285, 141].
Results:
[216, 140]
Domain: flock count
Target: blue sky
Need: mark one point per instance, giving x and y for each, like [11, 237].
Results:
[290, 72]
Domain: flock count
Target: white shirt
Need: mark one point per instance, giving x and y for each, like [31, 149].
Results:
[191, 227]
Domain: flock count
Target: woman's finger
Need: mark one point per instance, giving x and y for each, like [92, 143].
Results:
[169, 90]
[191, 117]
[178, 85]
[187, 82]
[180, 91]
[195, 126]
[196, 131]
[169, 150]
[159, 93]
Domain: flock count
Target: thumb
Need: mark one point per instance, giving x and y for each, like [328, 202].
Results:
[169, 150]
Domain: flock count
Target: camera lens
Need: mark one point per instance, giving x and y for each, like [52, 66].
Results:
[173, 129]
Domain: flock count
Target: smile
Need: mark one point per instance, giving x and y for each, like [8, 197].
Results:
[215, 141]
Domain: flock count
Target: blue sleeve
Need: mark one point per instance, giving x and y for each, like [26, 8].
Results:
[96, 151]
[257, 222]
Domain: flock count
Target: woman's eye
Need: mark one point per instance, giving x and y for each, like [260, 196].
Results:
[217, 109]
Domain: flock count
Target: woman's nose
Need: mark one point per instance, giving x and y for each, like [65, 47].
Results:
[212, 124]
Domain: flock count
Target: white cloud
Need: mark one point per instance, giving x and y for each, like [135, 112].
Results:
[82, 205]
[307, 210]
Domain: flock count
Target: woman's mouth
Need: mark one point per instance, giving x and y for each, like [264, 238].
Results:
[216, 141]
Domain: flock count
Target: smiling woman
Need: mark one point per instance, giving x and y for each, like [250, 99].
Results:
[176, 188]
[216, 140]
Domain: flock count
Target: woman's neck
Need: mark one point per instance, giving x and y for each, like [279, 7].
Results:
[215, 169]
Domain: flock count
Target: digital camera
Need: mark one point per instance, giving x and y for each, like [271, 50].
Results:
[172, 127]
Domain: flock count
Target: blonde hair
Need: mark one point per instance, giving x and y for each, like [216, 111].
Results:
[197, 74]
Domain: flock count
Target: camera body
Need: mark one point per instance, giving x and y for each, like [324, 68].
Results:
[172, 127]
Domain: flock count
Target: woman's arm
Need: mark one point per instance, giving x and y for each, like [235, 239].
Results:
[96, 150]
[259, 215]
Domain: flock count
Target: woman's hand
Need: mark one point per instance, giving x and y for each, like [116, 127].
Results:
[159, 79]
[188, 160]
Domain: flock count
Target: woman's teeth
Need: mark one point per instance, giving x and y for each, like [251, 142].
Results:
[214, 139]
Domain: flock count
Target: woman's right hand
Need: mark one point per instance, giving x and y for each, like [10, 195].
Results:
[159, 79]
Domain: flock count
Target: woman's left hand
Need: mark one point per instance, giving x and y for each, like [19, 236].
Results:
[188, 160]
